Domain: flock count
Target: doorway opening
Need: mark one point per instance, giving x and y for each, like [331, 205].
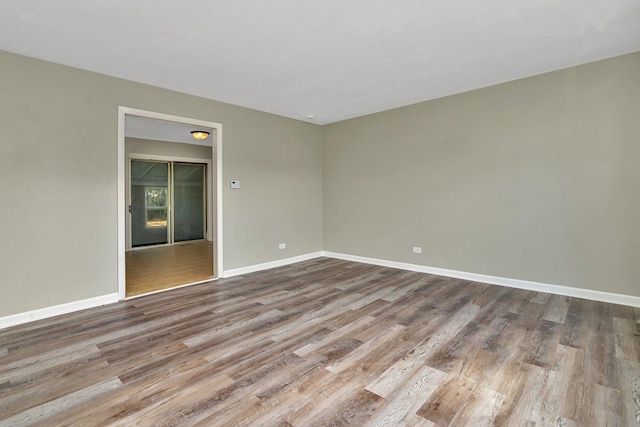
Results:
[169, 202]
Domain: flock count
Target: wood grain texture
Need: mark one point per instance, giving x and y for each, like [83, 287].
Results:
[163, 267]
[328, 342]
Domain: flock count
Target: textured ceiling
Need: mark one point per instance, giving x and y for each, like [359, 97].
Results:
[333, 59]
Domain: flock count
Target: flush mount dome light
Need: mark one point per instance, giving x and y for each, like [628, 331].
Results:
[199, 134]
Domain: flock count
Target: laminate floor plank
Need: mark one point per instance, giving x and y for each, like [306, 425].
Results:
[449, 397]
[115, 405]
[328, 342]
[542, 338]
[575, 331]
[375, 345]
[30, 366]
[237, 413]
[540, 298]
[353, 410]
[21, 396]
[409, 397]
[412, 313]
[524, 394]
[511, 381]
[245, 363]
[485, 294]
[572, 395]
[480, 409]
[629, 374]
[183, 406]
[301, 399]
[39, 413]
[606, 407]
[398, 373]
[376, 308]
[335, 335]
[627, 343]
[327, 394]
[232, 327]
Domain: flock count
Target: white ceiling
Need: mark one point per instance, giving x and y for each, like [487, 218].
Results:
[160, 130]
[333, 59]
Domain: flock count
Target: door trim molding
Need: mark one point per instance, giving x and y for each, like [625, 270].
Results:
[218, 265]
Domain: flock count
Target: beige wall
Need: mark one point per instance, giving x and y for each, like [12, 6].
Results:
[537, 179]
[58, 141]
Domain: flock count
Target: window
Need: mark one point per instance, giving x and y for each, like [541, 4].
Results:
[155, 203]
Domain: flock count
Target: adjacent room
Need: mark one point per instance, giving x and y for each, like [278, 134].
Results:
[169, 194]
[338, 213]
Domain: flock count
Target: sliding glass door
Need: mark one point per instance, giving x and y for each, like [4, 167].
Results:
[168, 202]
[188, 202]
[149, 203]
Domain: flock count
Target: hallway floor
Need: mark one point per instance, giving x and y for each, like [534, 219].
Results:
[158, 268]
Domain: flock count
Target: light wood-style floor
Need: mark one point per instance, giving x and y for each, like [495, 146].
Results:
[164, 267]
[324, 343]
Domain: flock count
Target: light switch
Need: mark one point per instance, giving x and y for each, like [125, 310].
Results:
[235, 184]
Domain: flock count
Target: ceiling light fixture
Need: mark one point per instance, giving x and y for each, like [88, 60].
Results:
[200, 134]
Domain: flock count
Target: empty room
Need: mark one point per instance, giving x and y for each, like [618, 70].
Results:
[293, 213]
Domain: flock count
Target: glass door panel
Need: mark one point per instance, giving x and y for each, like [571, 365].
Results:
[189, 202]
[149, 203]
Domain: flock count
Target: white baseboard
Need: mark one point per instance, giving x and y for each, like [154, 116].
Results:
[267, 265]
[56, 310]
[494, 280]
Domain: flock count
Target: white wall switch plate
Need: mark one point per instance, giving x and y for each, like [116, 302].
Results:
[235, 184]
[417, 250]
[282, 245]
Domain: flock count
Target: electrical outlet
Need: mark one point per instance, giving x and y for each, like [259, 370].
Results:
[417, 250]
[282, 245]
[235, 184]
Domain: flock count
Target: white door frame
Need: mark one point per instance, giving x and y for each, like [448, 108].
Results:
[122, 202]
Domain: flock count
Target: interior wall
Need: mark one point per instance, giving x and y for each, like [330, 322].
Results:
[537, 179]
[58, 160]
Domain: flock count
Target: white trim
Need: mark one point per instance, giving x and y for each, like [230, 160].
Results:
[218, 267]
[212, 280]
[56, 310]
[170, 204]
[121, 205]
[158, 158]
[216, 148]
[495, 280]
[267, 265]
[629, 300]
[166, 245]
